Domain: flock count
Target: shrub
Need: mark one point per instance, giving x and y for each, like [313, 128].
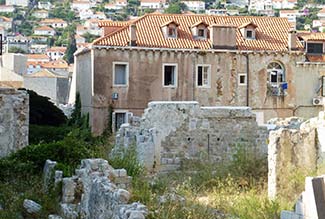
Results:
[47, 134]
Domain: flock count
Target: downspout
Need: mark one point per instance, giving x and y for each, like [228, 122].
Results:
[247, 81]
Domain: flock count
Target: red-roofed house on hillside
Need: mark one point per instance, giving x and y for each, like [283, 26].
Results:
[54, 22]
[321, 14]
[44, 31]
[284, 4]
[5, 22]
[258, 62]
[56, 52]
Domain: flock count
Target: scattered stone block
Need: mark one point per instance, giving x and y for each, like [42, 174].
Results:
[48, 174]
[31, 206]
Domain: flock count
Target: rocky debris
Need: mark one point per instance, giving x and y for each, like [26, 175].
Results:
[48, 173]
[53, 216]
[31, 206]
[58, 177]
[98, 191]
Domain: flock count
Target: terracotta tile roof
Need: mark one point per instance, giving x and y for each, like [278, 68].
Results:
[52, 20]
[322, 10]
[55, 64]
[271, 33]
[110, 23]
[37, 56]
[312, 36]
[288, 11]
[251, 23]
[56, 49]
[43, 73]
[6, 19]
[44, 28]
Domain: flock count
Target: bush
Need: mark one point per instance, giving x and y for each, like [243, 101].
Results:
[47, 134]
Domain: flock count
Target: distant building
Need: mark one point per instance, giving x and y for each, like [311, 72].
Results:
[262, 7]
[19, 41]
[5, 22]
[291, 15]
[44, 31]
[56, 52]
[44, 5]
[321, 14]
[81, 30]
[48, 83]
[153, 4]
[319, 24]
[23, 3]
[79, 39]
[81, 5]
[42, 58]
[284, 4]
[41, 14]
[54, 22]
[92, 27]
[7, 9]
[195, 5]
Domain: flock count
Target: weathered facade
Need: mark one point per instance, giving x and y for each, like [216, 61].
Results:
[170, 132]
[14, 120]
[268, 73]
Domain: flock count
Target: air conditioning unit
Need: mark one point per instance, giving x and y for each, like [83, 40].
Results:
[317, 101]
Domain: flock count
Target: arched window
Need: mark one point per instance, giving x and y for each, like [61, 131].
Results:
[276, 73]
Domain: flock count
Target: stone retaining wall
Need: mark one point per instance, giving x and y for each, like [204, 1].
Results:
[14, 120]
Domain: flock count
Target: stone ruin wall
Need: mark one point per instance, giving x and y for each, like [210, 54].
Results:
[14, 120]
[97, 190]
[169, 132]
[296, 148]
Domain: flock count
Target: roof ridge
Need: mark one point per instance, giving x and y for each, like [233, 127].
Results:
[118, 30]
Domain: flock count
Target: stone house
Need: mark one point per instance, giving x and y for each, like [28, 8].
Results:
[5, 22]
[41, 14]
[56, 52]
[23, 3]
[54, 22]
[153, 4]
[195, 5]
[215, 60]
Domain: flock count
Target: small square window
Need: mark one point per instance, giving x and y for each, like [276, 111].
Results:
[203, 76]
[170, 75]
[120, 74]
[249, 34]
[242, 79]
[171, 32]
[200, 33]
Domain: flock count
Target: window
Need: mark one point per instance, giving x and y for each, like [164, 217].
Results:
[275, 73]
[242, 79]
[120, 118]
[203, 76]
[316, 48]
[120, 74]
[201, 33]
[249, 34]
[171, 32]
[170, 75]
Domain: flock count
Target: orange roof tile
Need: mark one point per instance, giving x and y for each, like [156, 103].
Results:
[322, 10]
[57, 48]
[47, 28]
[55, 64]
[271, 33]
[37, 56]
[53, 20]
[251, 23]
[6, 19]
[110, 23]
[312, 36]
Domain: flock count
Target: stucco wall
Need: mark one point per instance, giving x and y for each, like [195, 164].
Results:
[14, 120]
[145, 81]
[42, 86]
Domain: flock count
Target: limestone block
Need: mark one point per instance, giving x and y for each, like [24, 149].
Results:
[31, 206]
[68, 211]
[53, 216]
[136, 215]
[58, 177]
[48, 174]
[290, 215]
[68, 190]
[122, 196]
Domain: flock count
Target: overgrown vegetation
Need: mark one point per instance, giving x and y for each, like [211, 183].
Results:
[200, 190]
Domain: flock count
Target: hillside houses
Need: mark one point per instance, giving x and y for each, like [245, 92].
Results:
[54, 22]
[44, 31]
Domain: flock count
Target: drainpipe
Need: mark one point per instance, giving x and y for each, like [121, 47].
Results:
[247, 79]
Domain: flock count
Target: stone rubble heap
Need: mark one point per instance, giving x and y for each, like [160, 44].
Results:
[294, 147]
[97, 190]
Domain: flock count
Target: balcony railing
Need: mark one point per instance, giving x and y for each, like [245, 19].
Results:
[277, 89]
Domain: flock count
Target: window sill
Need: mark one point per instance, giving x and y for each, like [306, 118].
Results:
[120, 86]
[170, 86]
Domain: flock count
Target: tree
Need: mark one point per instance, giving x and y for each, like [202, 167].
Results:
[15, 49]
[89, 37]
[174, 8]
[70, 51]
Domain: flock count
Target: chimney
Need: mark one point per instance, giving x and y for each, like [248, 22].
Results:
[223, 36]
[292, 40]
[133, 35]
